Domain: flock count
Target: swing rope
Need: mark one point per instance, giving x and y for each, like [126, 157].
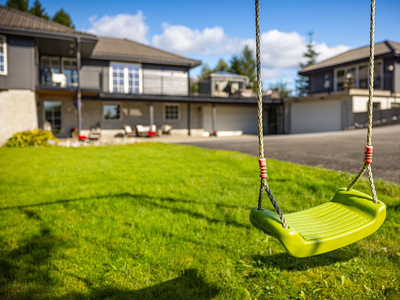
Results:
[262, 162]
[368, 148]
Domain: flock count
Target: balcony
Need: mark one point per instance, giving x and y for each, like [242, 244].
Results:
[53, 79]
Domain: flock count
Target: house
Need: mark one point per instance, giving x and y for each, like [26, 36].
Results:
[54, 76]
[224, 84]
[338, 90]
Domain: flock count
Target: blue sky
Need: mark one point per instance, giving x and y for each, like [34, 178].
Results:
[209, 30]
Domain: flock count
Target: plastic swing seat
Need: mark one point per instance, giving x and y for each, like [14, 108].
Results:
[350, 216]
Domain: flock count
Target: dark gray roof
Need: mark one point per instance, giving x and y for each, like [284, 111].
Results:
[114, 48]
[13, 18]
[382, 48]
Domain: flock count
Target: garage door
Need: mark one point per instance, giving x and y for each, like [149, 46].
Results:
[232, 118]
[315, 116]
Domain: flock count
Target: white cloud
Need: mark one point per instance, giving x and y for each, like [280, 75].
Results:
[326, 52]
[281, 52]
[132, 27]
[183, 40]
[278, 49]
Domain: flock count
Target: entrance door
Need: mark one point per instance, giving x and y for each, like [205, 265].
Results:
[52, 113]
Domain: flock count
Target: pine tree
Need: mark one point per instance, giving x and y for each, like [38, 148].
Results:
[303, 84]
[63, 18]
[221, 66]
[245, 64]
[38, 10]
[205, 71]
[21, 5]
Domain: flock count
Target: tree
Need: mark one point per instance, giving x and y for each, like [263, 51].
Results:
[221, 66]
[21, 5]
[38, 10]
[302, 84]
[245, 64]
[61, 17]
[236, 65]
[249, 66]
[205, 71]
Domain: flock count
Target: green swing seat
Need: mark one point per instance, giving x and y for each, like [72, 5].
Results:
[350, 216]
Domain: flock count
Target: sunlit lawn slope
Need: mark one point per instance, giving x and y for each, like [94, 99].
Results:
[154, 221]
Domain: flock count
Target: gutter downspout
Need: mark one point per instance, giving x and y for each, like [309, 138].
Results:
[78, 92]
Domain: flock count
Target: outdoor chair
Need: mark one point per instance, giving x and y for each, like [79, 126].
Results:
[166, 129]
[95, 133]
[142, 130]
[59, 79]
[129, 132]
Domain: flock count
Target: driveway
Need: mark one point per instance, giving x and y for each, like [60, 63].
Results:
[341, 150]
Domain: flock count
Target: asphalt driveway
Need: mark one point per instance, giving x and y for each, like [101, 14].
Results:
[341, 150]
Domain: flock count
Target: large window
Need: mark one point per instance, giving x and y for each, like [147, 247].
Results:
[125, 78]
[111, 112]
[358, 77]
[50, 65]
[70, 70]
[171, 112]
[3, 55]
[52, 112]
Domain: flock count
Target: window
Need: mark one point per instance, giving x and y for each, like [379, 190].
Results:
[125, 78]
[377, 76]
[3, 55]
[340, 79]
[112, 112]
[358, 77]
[363, 77]
[171, 112]
[50, 65]
[375, 105]
[52, 112]
[70, 70]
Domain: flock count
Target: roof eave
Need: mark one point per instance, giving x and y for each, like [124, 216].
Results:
[47, 34]
[352, 62]
[149, 60]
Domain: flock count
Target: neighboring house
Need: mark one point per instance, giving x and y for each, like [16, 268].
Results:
[47, 69]
[338, 89]
[224, 84]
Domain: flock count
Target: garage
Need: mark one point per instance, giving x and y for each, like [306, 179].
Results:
[231, 118]
[315, 116]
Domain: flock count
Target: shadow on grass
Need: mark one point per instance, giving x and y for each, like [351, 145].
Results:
[187, 286]
[145, 200]
[25, 271]
[284, 261]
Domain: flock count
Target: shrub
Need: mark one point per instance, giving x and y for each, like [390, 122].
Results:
[30, 138]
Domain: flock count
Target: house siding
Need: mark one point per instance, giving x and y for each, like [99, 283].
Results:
[397, 76]
[17, 112]
[317, 82]
[21, 63]
[3, 82]
[92, 74]
[388, 75]
[159, 80]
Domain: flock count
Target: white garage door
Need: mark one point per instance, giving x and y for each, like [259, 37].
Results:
[232, 118]
[315, 116]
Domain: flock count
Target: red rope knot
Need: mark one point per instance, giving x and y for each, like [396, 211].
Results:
[368, 154]
[263, 167]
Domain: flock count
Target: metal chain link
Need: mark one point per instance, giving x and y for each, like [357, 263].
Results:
[367, 166]
[263, 184]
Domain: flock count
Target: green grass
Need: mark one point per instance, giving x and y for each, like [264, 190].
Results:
[154, 221]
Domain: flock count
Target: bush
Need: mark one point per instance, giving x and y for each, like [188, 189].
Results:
[30, 138]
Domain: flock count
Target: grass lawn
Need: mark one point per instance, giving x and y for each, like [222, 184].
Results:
[155, 221]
